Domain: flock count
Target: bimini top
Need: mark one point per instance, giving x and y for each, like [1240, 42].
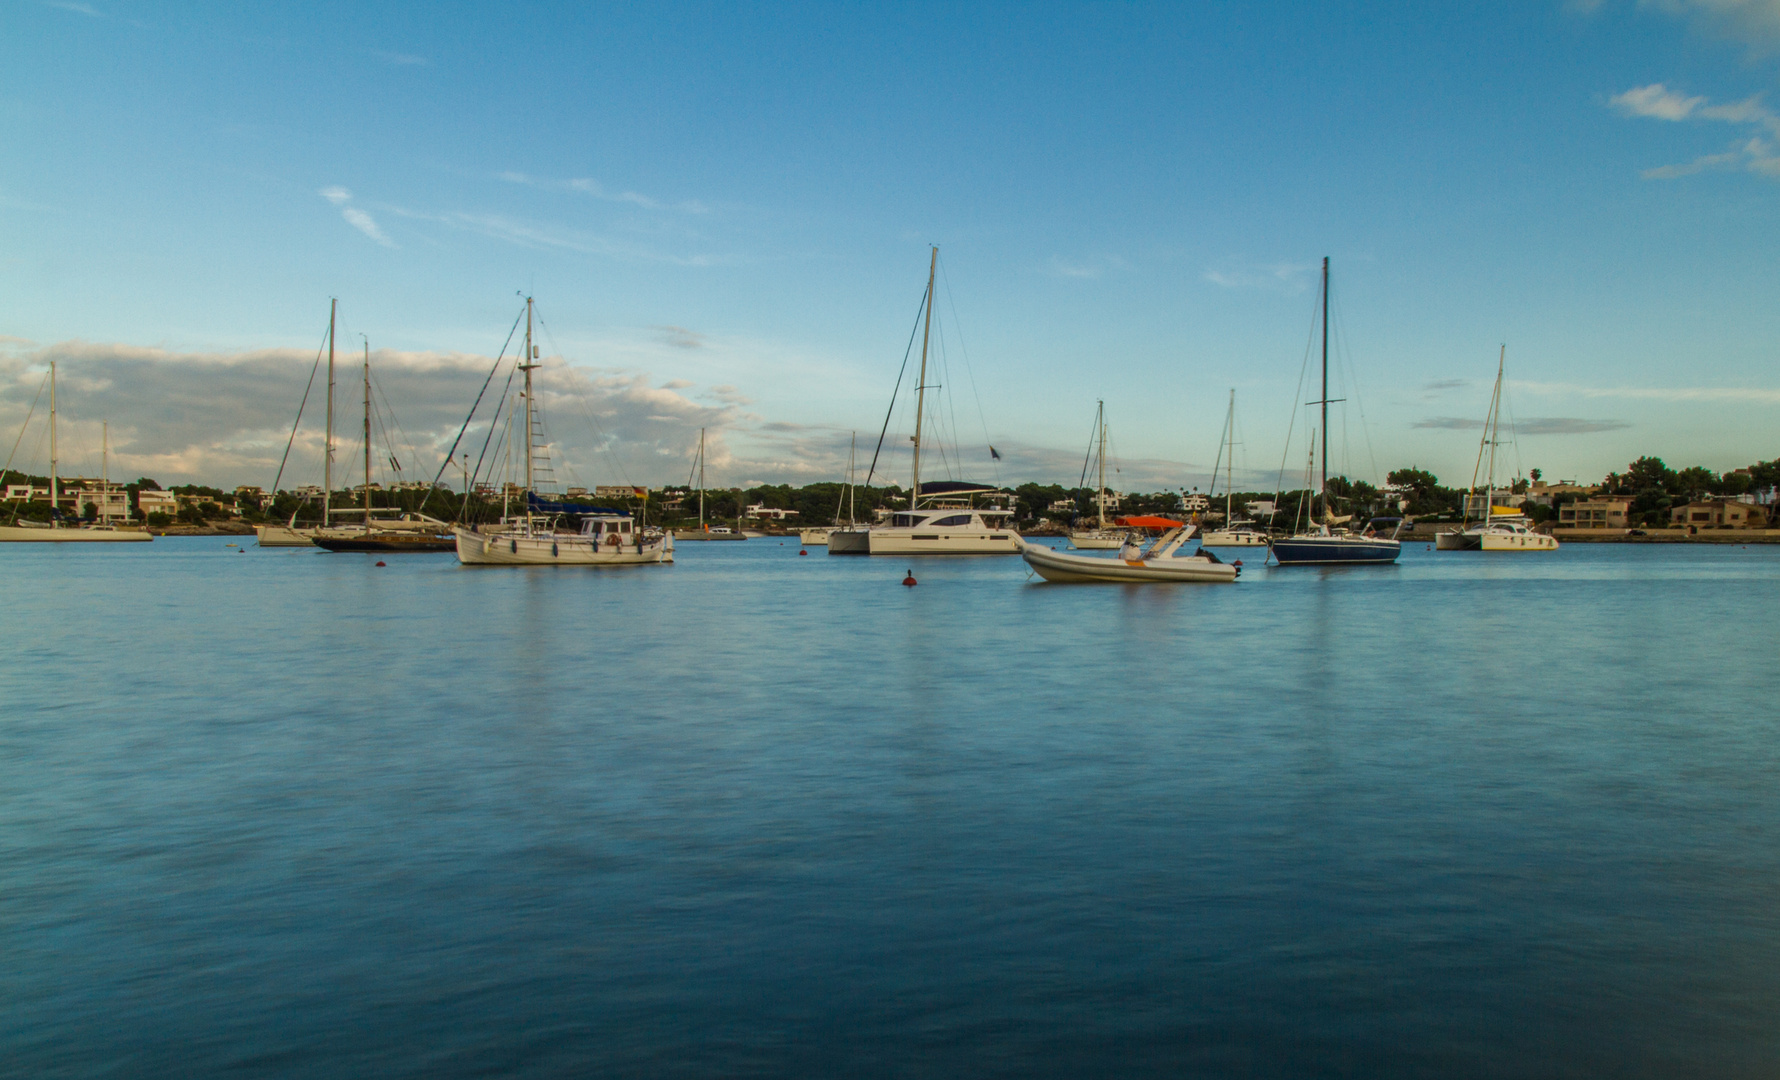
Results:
[1150, 522]
[955, 488]
[545, 506]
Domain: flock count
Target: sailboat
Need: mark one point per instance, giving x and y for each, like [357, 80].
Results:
[1326, 542]
[1099, 537]
[605, 538]
[56, 530]
[1499, 528]
[943, 517]
[705, 532]
[373, 535]
[818, 535]
[1235, 533]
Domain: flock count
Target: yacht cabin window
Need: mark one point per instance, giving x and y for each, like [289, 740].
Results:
[954, 519]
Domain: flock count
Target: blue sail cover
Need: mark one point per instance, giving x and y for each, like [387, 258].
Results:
[545, 506]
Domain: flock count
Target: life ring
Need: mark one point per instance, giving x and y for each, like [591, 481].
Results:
[612, 540]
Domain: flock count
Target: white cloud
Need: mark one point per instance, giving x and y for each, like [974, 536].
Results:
[1753, 22]
[1274, 277]
[591, 187]
[1756, 154]
[364, 223]
[337, 195]
[1728, 394]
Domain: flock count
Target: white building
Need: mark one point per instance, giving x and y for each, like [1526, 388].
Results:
[769, 513]
[157, 502]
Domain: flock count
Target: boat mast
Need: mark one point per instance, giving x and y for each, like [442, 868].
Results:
[701, 479]
[104, 470]
[1495, 426]
[1230, 462]
[327, 465]
[1100, 498]
[852, 460]
[530, 364]
[921, 383]
[367, 436]
[1325, 401]
[55, 487]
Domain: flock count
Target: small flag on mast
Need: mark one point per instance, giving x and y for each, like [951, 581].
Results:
[994, 454]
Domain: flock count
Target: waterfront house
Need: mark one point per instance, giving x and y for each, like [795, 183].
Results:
[1718, 514]
[156, 502]
[1605, 512]
[1545, 494]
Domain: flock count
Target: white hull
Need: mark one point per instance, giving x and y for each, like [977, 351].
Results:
[814, 537]
[556, 549]
[101, 535]
[1226, 538]
[1063, 567]
[1495, 537]
[1522, 542]
[697, 534]
[941, 541]
[1097, 540]
[284, 536]
[849, 542]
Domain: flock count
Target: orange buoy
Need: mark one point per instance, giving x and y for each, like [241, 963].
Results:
[910, 579]
[803, 553]
[1237, 564]
[380, 562]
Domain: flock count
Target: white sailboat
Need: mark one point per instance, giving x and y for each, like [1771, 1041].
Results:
[1100, 537]
[944, 517]
[604, 539]
[1234, 533]
[56, 531]
[817, 536]
[1499, 528]
[704, 531]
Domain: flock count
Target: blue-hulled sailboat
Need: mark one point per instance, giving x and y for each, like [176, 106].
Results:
[1327, 542]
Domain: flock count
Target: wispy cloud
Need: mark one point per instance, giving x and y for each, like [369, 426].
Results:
[549, 236]
[1276, 277]
[677, 384]
[1437, 387]
[590, 187]
[1532, 425]
[71, 5]
[681, 338]
[1731, 394]
[357, 218]
[1755, 23]
[1084, 269]
[1757, 153]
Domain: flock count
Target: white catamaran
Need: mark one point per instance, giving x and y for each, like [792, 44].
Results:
[604, 539]
[1235, 532]
[56, 531]
[1100, 537]
[817, 536]
[944, 517]
[1498, 528]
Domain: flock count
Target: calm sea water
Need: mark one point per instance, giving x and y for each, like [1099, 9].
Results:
[284, 813]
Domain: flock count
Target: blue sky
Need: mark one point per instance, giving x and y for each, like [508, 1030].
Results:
[724, 213]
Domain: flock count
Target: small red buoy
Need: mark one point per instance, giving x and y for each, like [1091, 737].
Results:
[380, 562]
[803, 553]
[1237, 564]
[910, 579]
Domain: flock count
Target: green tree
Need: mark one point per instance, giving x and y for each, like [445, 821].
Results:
[1693, 482]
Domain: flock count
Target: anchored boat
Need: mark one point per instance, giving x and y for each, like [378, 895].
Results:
[1133, 564]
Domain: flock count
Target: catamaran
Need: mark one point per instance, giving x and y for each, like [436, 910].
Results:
[56, 530]
[1235, 533]
[1499, 528]
[705, 532]
[817, 536]
[1099, 537]
[1327, 542]
[945, 517]
[605, 538]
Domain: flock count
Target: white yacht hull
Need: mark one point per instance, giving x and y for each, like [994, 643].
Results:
[1225, 538]
[1525, 542]
[1062, 567]
[547, 549]
[1097, 540]
[26, 534]
[814, 537]
[1494, 539]
[284, 536]
[941, 541]
[849, 542]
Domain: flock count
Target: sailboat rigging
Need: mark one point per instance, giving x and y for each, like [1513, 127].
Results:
[1498, 528]
[56, 530]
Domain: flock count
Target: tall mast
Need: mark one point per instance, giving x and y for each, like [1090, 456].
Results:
[852, 457]
[921, 383]
[1100, 499]
[531, 356]
[1495, 426]
[55, 487]
[367, 435]
[1230, 463]
[104, 470]
[701, 479]
[327, 467]
[1325, 401]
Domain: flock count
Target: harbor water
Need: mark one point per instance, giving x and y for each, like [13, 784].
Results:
[280, 813]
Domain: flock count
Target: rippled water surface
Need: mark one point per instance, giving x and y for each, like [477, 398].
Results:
[284, 813]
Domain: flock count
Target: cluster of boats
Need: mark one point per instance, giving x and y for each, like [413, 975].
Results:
[944, 517]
